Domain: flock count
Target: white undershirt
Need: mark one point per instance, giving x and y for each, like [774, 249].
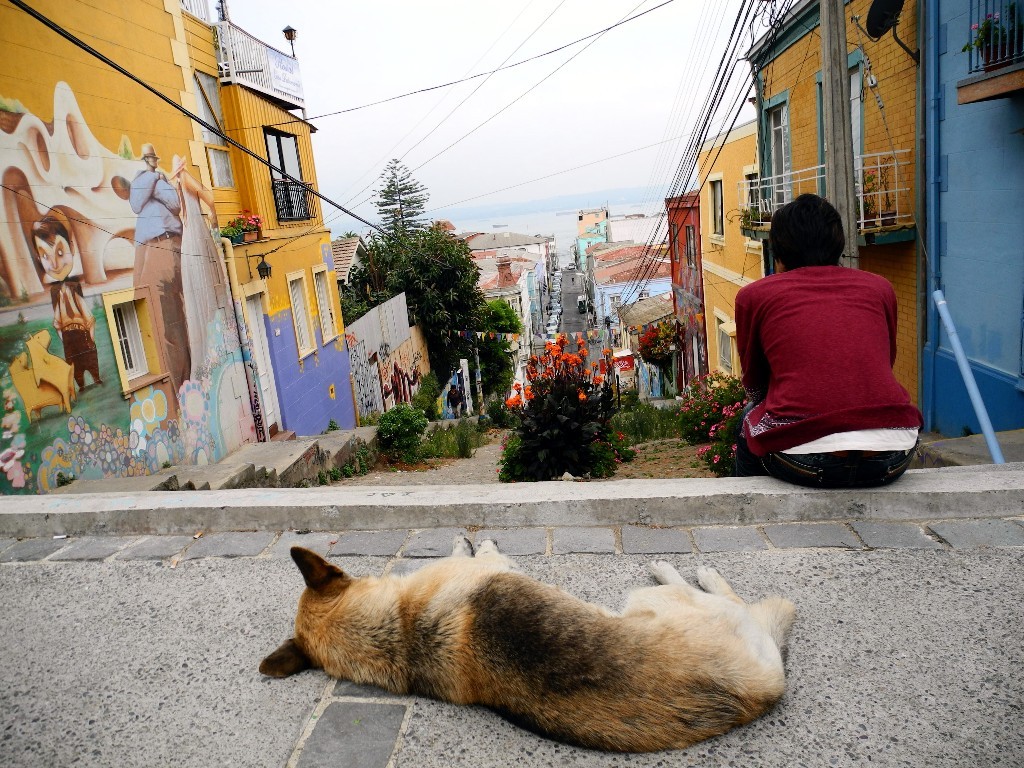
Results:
[860, 440]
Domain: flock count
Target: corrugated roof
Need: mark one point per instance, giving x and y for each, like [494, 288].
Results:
[490, 240]
[647, 311]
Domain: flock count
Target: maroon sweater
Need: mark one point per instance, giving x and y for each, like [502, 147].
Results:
[817, 346]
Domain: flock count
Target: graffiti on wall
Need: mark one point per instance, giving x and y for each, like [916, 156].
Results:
[119, 387]
[365, 378]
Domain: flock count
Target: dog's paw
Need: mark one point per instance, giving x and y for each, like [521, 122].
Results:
[462, 547]
[487, 546]
[664, 572]
[711, 581]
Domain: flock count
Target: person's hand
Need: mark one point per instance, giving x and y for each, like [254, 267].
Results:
[178, 168]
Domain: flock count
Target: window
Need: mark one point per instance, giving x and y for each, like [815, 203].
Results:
[209, 108]
[778, 127]
[300, 313]
[753, 198]
[328, 325]
[291, 199]
[724, 344]
[717, 217]
[129, 340]
[691, 246]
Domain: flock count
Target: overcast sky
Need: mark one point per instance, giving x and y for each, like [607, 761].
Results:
[638, 84]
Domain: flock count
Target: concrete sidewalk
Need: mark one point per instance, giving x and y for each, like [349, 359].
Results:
[142, 650]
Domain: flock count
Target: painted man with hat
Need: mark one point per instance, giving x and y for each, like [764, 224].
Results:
[158, 257]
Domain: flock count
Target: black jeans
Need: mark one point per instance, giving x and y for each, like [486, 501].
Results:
[852, 469]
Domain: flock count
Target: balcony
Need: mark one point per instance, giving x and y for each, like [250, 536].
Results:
[994, 43]
[885, 196]
[198, 8]
[293, 201]
[244, 60]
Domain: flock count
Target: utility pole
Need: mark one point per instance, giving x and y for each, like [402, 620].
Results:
[840, 184]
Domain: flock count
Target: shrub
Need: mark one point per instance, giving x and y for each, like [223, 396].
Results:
[702, 404]
[427, 397]
[656, 344]
[720, 456]
[610, 451]
[458, 441]
[563, 417]
[645, 422]
[500, 415]
[400, 430]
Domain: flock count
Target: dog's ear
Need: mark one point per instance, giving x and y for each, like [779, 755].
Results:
[285, 661]
[319, 575]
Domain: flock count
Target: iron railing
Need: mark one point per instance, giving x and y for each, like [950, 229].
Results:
[198, 8]
[245, 60]
[884, 182]
[294, 202]
[995, 34]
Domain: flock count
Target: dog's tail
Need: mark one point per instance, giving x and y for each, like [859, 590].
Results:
[775, 615]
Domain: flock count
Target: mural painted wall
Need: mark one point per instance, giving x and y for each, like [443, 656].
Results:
[388, 357]
[119, 351]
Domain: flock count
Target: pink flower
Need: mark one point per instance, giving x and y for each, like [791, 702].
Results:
[716, 459]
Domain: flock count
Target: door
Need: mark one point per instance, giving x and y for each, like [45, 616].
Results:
[261, 357]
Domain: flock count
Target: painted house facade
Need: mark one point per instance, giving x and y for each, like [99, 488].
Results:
[792, 152]
[973, 104]
[686, 258]
[119, 343]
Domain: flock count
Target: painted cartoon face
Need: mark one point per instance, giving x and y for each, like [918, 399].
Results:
[53, 248]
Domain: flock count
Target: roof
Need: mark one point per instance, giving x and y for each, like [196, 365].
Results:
[491, 240]
[630, 270]
[495, 282]
[344, 251]
[647, 311]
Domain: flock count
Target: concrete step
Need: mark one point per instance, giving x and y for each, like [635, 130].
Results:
[282, 436]
[937, 451]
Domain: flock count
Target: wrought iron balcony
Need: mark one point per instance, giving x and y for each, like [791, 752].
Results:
[247, 61]
[995, 35]
[885, 194]
[293, 201]
[198, 8]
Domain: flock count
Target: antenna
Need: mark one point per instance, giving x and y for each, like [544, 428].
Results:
[883, 16]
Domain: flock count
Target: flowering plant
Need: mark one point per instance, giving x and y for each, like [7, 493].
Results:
[991, 33]
[656, 344]
[703, 403]
[563, 413]
[247, 222]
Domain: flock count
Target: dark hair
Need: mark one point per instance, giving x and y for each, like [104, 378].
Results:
[807, 233]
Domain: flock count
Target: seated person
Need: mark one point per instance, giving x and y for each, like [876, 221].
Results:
[817, 343]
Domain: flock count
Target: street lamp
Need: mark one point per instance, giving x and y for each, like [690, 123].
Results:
[263, 269]
[290, 33]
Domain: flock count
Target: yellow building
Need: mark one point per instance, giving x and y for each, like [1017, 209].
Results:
[883, 80]
[729, 258]
[292, 318]
[124, 344]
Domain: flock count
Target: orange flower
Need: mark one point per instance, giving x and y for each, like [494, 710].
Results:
[582, 395]
[594, 365]
[573, 359]
[528, 393]
[518, 387]
[514, 402]
[598, 379]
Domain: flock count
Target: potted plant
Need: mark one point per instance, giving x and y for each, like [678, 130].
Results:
[232, 233]
[869, 199]
[249, 227]
[999, 44]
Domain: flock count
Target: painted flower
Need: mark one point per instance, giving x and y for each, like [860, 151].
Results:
[149, 408]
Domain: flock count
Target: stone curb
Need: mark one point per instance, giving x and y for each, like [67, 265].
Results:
[410, 550]
[935, 494]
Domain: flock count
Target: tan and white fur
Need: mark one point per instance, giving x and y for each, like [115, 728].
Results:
[677, 666]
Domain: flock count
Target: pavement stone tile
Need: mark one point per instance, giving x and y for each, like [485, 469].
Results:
[229, 545]
[94, 547]
[403, 567]
[803, 535]
[728, 539]
[382, 543]
[435, 542]
[28, 550]
[354, 735]
[894, 535]
[571, 541]
[155, 548]
[517, 541]
[318, 542]
[652, 541]
[974, 534]
[5, 543]
[348, 688]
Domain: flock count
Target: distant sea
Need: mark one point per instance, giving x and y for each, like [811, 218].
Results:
[561, 222]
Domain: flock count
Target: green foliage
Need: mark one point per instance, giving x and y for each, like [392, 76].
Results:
[500, 415]
[332, 426]
[610, 451]
[426, 397]
[452, 441]
[720, 456]
[359, 464]
[703, 402]
[655, 344]
[495, 361]
[401, 200]
[63, 479]
[644, 422]
[563, 412]
[400, 431]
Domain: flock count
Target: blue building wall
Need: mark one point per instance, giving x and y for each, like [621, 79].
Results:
[977, 247]
[314, 390]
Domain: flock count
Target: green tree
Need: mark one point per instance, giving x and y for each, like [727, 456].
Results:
[401, 200]
[496, 366]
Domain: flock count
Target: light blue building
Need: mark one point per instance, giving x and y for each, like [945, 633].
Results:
[973, 107]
